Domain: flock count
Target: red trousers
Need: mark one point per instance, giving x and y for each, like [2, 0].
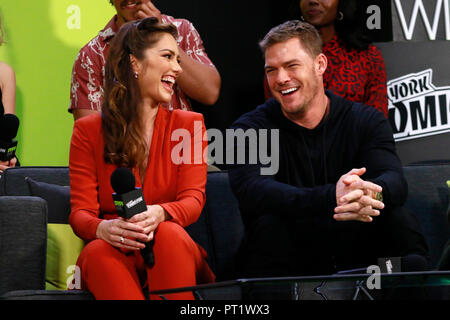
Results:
[109, 273]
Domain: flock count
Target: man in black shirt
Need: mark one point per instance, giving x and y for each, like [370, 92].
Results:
[335, 202]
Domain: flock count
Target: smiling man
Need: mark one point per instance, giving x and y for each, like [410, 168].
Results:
[199, 81]
[336, 201]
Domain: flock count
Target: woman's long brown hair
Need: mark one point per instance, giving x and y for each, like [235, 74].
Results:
[121, 114]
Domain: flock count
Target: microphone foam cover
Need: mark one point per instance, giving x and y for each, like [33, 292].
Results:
[122, 180]
[9, 124]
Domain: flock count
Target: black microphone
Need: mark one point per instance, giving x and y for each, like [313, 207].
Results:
[129, 201]
[9, 124]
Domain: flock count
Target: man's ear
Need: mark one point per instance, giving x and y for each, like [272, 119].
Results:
[320, 64]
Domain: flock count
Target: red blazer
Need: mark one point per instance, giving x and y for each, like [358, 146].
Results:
[178, 188]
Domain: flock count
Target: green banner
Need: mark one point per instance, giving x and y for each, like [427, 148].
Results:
[42, 40]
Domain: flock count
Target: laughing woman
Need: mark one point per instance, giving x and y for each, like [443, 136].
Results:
[135, 132]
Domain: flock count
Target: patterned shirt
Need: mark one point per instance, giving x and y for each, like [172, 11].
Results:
[88, 73]
[358, 76]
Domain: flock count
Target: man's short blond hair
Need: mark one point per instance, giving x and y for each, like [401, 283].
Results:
[307, 34]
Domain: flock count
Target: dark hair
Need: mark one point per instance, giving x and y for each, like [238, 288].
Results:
[121, 115]
[351, 29]
[305, 32]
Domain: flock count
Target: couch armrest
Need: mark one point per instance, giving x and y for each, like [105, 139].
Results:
[23, 243]
[225, 224]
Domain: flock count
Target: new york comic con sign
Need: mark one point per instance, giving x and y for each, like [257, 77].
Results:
[417, 108]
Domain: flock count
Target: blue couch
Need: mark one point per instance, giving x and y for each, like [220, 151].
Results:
[219, 229]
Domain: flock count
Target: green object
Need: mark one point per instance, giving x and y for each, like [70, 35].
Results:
[63, 248]
[42, 41]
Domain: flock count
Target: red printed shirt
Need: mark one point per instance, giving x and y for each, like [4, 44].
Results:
[88, 73]
[358, 76]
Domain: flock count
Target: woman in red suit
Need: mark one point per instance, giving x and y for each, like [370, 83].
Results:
[135, 132]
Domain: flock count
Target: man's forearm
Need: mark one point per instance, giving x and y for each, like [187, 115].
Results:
[199, 81]
[257, 195]
[395, 188]
[79, 113]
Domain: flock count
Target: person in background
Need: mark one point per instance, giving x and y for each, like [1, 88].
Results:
[356, 69]
[200, 80]
[134, 131]
[7, 96]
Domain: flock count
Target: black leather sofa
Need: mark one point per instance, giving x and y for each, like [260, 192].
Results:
[24, 218]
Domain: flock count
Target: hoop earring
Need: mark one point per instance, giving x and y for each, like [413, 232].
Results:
[340, 16]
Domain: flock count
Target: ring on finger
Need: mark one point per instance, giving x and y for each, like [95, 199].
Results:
[122, 240]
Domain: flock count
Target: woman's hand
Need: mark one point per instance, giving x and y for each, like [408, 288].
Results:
[122, 234]
[150, 219]
[134, 232]
[7, 164]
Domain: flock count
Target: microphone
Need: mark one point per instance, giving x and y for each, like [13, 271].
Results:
[129, 201]
[408, 263]
[9, 124]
